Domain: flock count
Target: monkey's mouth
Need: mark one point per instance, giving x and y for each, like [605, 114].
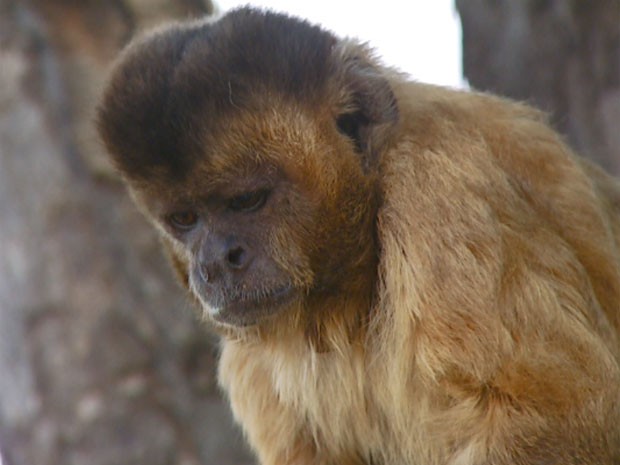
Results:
[249, 308]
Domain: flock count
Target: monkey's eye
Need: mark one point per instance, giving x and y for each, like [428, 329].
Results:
[183, 221]
[250, 201]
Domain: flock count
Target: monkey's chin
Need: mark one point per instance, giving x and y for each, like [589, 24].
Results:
[249, 311]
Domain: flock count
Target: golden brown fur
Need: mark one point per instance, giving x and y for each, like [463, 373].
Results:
[495, 335]
[479, 322]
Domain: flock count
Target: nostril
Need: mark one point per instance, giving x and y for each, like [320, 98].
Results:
[204, 273]
[236, 257]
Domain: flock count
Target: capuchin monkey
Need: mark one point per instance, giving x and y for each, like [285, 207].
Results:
[401, 274]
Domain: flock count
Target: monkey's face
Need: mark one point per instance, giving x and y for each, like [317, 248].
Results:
[278, 213]
[252, 143]
[223, 236]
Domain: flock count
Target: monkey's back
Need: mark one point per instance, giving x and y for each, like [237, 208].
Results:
[509, 247]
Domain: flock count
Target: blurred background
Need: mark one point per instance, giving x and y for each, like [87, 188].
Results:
[102, 361]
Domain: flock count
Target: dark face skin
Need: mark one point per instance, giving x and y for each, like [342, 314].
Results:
[226, 233]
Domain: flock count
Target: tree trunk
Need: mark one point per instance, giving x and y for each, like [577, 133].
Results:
[561, 55]
[101, 359]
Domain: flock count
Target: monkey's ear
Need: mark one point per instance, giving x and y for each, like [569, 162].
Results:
[369, 112]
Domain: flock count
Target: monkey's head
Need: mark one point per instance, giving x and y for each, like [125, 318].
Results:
[253, 144]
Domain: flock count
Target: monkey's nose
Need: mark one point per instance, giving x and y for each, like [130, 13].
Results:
[237, 257]
[222, 256]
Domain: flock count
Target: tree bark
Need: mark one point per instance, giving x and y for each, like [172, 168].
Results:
[101, 359]
[561, 55]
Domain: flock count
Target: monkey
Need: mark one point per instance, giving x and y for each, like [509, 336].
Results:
[400, 273]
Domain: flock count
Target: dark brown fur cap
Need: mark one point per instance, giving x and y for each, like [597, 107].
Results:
[168, 87]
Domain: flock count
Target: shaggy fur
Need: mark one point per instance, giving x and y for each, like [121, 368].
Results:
[458, 266]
